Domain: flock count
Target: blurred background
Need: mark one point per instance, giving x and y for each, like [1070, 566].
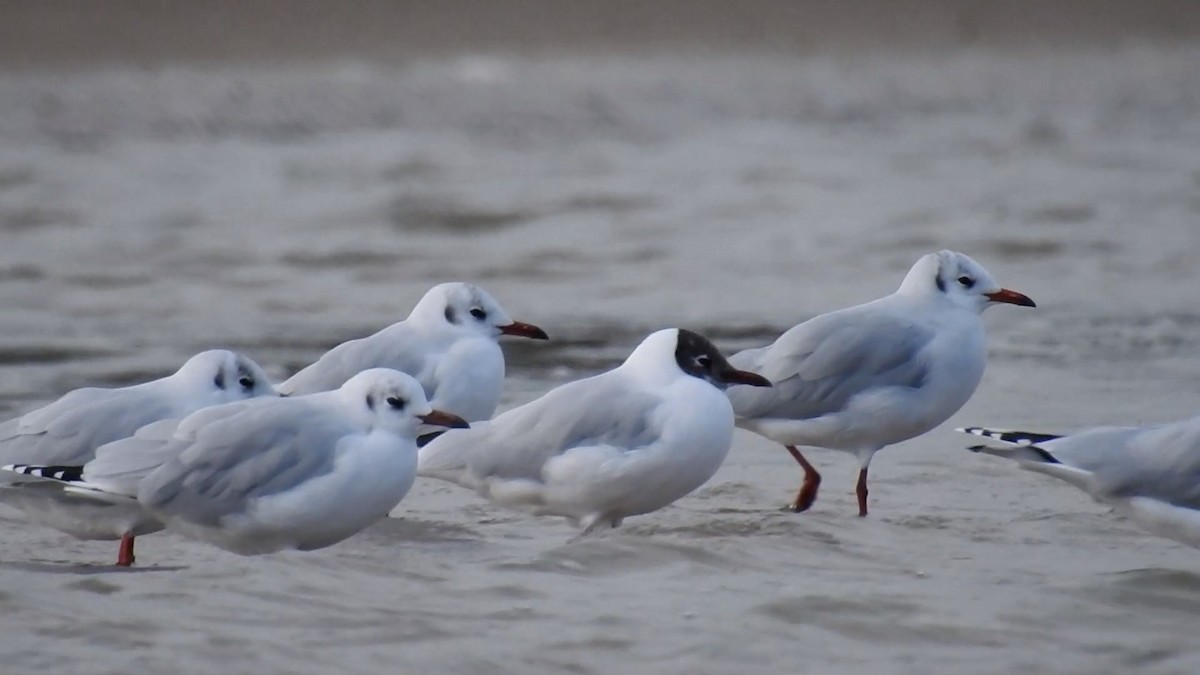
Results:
[65, 32]
[277, 177]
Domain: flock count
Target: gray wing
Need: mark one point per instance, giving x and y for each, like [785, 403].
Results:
[518, 443]
[818, 366]
[261, 450]
[69, 430]
[1161, 462]
[389, 348]
[119, 466]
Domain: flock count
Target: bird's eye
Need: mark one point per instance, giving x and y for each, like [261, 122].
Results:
[396, 402]
[479, 314]
[966, 281]
[246, 381]
[703, 361]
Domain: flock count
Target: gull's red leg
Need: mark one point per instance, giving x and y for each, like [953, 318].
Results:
[125, 553]
[812, 481]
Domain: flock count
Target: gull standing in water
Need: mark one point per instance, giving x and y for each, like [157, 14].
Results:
[862, 378]
[622, 443]
[1150, 474]
[301, 472]
[62, 436]
[448, 343]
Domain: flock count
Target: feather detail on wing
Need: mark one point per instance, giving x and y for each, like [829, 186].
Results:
[817, 367]
[252, 453]
[518, 443]
[69, 430]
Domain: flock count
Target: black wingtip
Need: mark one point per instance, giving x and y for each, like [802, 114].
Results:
[1013, 437]
[56, 472]
[1042, 454]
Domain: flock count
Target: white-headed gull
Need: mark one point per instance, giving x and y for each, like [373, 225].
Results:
[622, 443]
[60, 437]
[97, 500]
[1150, 474]
[302, 472]
[448, 342]
[868, 376]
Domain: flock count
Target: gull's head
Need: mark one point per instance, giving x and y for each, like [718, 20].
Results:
[676, 350]
[472, 310]
[392, 400]
[957, 278]
[229, 375]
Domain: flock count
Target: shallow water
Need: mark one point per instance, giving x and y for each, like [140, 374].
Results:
[146, 214]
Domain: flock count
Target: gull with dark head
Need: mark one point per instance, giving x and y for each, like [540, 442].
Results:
[862, 378]
[1148, 474]
[57, 439]
[448, 343]
[622, 443]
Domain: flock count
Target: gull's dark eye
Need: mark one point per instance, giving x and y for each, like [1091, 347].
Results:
[966, 281]
[396, 402]
[246, 381]
[703, 361]
[479, 314]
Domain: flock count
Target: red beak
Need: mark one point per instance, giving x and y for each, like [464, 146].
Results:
[1011, 297]
[527, 330]
[744, 377]
[444, 419]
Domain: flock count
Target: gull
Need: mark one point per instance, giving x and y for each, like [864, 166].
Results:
[97, 500]
[622, 443]
[448, 343]
[862, 378]
[61, 436]
[301, 472]
[1149, 474]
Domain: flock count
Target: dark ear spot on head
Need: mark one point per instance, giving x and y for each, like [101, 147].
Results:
[370, 401]
[941, 285]
[451, 315]
[219, 380]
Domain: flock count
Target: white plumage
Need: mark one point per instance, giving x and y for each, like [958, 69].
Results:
[869, 376]
[623, 443]
[448, 343]
[60, 437]
[1149, 474]
[268, 474]
[302, 473]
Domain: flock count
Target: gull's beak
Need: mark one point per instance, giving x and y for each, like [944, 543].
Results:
[521, 329]
[1011, 297]
[444, 419]
[732, 376]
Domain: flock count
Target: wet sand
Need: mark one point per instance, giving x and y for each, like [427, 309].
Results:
[281, 208]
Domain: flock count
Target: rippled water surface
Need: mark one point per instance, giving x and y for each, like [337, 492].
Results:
[146, 214]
